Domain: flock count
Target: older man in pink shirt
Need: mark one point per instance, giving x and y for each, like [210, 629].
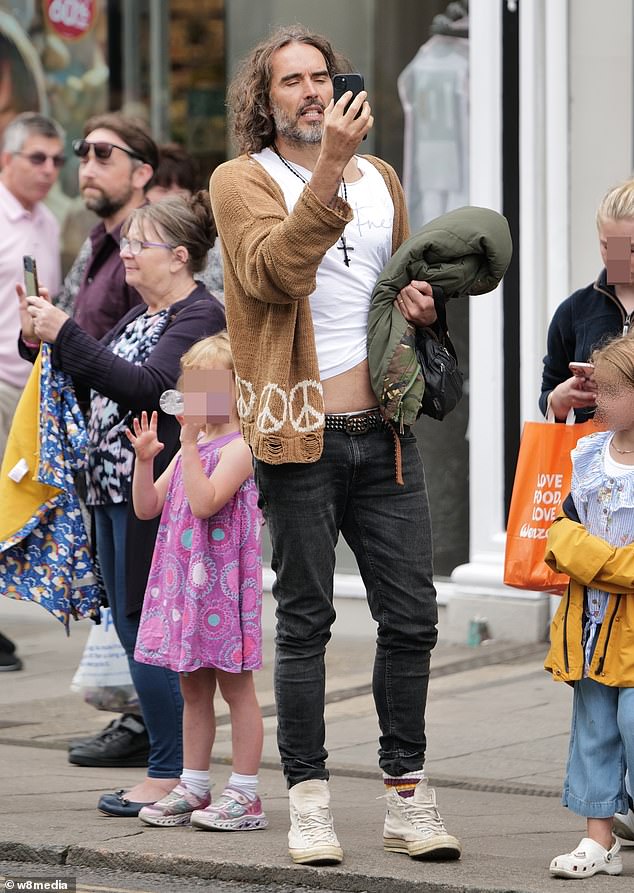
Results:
[30, 161]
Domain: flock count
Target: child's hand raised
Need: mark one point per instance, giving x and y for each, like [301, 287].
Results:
[189, 430]
[144, 440]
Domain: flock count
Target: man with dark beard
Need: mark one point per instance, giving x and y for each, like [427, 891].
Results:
[307, 226]
[117, 161]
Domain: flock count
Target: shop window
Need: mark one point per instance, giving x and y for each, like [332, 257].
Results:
[160, 60]
[167, 62]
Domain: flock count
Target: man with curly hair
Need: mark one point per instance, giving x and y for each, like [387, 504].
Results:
[306, 228]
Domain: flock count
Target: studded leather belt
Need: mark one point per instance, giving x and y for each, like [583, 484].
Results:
[362, 422]
[355, 422]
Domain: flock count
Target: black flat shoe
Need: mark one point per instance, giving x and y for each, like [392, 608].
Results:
[90, 739]
[123, 743]
[8, 658]
[6, 645]
[9, 662]
[117, 805]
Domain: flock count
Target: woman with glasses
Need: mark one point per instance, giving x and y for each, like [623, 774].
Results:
[162, 247]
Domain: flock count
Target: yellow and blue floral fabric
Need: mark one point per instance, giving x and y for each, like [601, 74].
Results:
[44, 551]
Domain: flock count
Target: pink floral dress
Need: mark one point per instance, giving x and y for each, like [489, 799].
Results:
[203, 601]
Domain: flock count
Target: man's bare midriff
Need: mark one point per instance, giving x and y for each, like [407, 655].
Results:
[350, 391]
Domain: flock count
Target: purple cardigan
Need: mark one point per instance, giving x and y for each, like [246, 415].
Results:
[93, 365]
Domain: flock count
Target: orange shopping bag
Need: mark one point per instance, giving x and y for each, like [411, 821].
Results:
[542, 482]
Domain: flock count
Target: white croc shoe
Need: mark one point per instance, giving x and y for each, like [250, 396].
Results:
[588, 859]
[624, 827]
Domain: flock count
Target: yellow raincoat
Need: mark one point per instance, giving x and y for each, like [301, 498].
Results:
[591, 562]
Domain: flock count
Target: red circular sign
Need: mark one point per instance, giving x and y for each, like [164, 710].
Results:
[71, 19]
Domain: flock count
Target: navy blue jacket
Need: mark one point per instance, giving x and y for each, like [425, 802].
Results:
[581, 323]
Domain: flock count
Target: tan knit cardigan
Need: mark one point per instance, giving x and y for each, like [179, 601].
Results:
[271, 259]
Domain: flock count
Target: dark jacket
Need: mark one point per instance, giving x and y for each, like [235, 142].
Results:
[92, 365]
[582, 322]
[104, 296]
[464, 252]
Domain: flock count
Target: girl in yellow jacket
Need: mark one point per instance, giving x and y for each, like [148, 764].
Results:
[592, 634]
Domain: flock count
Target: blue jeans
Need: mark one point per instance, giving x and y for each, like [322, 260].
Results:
[351, 489]
[601, 746]
[158, 688]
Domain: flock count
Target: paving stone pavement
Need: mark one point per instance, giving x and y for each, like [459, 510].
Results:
[497, 731]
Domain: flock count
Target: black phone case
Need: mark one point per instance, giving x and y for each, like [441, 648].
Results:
[341, 83]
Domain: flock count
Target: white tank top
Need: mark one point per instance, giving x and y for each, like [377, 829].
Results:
[341, 300]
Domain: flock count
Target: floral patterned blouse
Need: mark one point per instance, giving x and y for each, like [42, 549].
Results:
[111, 455]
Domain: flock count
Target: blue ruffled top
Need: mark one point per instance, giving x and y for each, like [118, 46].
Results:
[605, 504]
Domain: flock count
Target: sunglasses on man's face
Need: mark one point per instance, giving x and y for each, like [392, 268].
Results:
[37, 159]
[102, 151]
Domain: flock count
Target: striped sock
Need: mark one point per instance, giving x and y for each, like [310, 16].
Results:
[404, 785]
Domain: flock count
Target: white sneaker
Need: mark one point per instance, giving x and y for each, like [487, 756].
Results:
[624, 827]
[588, 859]
[312, 839]
[413, 825]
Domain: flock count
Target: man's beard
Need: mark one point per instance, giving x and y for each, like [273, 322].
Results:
[106, 206]
[290, 129]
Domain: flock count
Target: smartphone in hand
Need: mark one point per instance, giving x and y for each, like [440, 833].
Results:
[581, 370]
[30, 275]
[341, 83]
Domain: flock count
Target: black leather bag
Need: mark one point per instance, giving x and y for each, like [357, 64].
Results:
[439, 365]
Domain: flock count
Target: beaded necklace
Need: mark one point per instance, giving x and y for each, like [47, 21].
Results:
[622, 452]
[344, 245]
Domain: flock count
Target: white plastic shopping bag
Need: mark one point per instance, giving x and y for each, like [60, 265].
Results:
[103, 675]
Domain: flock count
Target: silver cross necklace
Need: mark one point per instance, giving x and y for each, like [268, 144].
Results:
[344, 245]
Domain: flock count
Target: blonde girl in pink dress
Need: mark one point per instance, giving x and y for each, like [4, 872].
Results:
[202, 606]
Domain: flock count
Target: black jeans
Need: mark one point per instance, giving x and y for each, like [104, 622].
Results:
[351, 489]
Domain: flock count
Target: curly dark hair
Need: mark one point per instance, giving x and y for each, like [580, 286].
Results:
[248, 94]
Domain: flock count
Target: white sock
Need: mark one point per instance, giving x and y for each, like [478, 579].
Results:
[418, 774]
[196, 781]
[246, 783]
